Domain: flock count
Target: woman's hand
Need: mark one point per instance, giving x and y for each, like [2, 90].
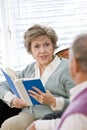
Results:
[43, 98]
[18, 103]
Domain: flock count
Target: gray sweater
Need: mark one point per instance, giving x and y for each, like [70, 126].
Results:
[59, 84]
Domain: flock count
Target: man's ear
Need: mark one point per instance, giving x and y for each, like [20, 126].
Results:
[76, 66]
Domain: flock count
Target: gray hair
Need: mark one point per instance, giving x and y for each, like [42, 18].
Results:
[39, 30]
[79, 48]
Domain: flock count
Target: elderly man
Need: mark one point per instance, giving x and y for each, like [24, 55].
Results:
[75, 116]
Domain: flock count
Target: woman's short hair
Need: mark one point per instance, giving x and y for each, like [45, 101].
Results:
[38, 30]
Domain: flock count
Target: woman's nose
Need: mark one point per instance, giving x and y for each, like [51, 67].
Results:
[42, 49]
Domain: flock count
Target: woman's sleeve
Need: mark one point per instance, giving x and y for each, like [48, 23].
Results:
[63, 101]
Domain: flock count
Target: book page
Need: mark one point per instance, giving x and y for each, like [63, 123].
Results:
[11, 73]
[22, 92]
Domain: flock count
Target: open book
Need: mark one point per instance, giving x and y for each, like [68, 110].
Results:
[20, 87]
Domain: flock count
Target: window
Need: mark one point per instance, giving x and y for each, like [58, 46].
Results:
[67, 17]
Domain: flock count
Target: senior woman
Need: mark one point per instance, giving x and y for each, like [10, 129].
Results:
[40, 41]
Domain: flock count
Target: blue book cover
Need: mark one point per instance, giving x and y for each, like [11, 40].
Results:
[20, 88]
[30, 83]
[11, 84]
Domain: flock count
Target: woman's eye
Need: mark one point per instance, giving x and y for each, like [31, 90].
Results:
[47, 44]
[36, 46]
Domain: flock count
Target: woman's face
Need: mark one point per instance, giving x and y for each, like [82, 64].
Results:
[42, 50]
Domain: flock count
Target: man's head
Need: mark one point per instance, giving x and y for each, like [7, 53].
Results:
[63, 51]
[78, 58]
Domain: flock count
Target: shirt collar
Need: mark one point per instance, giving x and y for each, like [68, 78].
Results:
[48, 71]
[77, 89]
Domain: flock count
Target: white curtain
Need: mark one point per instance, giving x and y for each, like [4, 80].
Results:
[67, 17]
